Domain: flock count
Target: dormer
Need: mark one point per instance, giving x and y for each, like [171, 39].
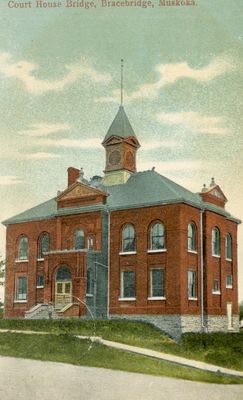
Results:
[213, 194]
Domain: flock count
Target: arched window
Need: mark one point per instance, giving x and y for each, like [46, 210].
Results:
[157, 236]
[43, 244]
[191, 237]
[215, 242]
[79, 239]
[228, 245]
[63, 274]
[23, 249]
[128, 238]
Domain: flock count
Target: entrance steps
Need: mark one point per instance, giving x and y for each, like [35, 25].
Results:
[41, 311]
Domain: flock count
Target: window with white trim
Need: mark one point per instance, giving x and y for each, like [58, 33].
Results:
[216, 286]
[191, 237]
[23, 249]
[157, 282]
[43, 245]
[215, 242]
[192, 284]
[229, 281]
[157, 236]
[128, 239]
[21, 288]
[40, 281]
[228, 246]
[79, 239]
[128, 284]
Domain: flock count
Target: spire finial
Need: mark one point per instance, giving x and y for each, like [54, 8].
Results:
[122, 66]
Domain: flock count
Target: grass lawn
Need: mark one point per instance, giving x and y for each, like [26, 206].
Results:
[224, 349]
[65, 348]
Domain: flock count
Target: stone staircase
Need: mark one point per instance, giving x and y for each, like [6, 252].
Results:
[40, 311]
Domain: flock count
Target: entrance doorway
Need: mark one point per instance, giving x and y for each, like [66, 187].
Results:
[63, 287]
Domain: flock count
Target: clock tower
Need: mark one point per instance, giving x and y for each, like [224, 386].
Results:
[121, 145]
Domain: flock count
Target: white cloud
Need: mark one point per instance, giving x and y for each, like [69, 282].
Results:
[195, 121]
[7, 180]
[39, 156]
[156, 144]
[182, 165]
[43, 129]
[25, 72]
[72, 143]
[171, 73]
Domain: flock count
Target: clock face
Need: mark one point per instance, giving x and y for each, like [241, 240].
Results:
[115, 157]
[130, 159]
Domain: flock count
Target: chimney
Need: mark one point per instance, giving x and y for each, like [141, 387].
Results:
[73, 174]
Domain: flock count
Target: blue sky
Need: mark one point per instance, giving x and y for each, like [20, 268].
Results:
[60, 77]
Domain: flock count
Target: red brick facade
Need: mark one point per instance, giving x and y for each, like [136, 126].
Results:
[196, 274]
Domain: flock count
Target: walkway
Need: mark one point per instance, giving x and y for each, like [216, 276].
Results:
[38, 380]
[149, 353]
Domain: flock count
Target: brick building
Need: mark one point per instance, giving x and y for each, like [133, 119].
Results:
[129, 244]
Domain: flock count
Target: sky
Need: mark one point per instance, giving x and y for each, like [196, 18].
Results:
[60, 90]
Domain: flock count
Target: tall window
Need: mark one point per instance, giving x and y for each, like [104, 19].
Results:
[216, 286]
[192, 284]
[215, 242]
[128, 284]
[43, 245]
[157, 282]
[79, 239]
[229, 281]
[228, 245]
[23, 248]
[157, 237]
[40, 281]
[21, 288]
[191, 237]
[89, 282]
[128, 238]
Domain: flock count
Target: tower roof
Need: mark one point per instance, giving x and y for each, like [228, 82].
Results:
[120, 126]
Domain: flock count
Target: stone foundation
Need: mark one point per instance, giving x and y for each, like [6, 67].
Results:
[219, 323]
[176, 325]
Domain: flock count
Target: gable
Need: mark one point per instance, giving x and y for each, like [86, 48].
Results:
[217, 192]
[80, 194]
[113, 140]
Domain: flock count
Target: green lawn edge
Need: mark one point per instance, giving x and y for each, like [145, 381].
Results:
[68, 349]
[222, 349]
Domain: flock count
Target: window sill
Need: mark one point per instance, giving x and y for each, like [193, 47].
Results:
[192, 298]
[40, 259]
[20, 301]
[157, 298]
[21, 261]
[216, 292]
[216, 255]
[157, 251]
[39, 287]
[127, 253]
[89, 295]
[127, 298]
[229, 259]
[229, 287]
[192, 251]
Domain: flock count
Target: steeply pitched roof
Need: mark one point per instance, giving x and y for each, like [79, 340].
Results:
[142, 189]
[120, 126]
[147, 188]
